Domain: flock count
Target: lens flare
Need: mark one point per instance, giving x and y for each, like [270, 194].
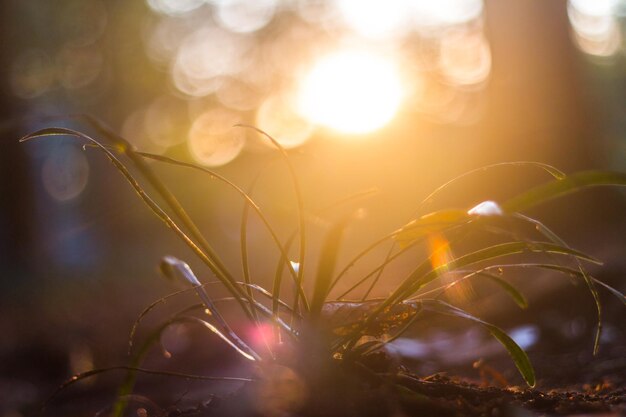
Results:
[352, 92]
[458, 291]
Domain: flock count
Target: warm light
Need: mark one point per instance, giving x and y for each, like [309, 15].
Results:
[458, 291]
[277, 117]
[427, 15]
[374, 18]
[465, 58]
[213, 140]
[351, 91]
[245, 16]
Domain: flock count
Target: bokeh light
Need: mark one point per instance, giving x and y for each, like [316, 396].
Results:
[32, 74]
[174, 7]
[465, 58]
[428, 15]
[79, 66]
[351, 91]
[278, 117]
[205, 56]
[595, 28]
[375, 19]
[245, 16]
[65, 173]
[213, 138]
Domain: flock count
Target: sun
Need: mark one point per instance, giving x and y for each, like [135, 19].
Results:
[351, 91]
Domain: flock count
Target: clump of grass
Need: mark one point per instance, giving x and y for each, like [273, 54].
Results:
[315, 333]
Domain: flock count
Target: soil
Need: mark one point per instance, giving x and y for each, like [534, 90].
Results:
[571, 380]
[436, 396]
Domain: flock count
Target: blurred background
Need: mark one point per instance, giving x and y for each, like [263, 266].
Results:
[396, 97]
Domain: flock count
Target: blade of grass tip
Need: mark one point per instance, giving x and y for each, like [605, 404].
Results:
[327, 262]
[545, 231]
[128, 149]
[569, 271]
[555, 172]
[152, 205]
[497, 251]
[145, 311]
[180, 269]
[300, 207]
[515, 294]
[520, 358]
[572, 183]
[554, 267]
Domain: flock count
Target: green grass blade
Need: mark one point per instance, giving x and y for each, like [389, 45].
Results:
[327, 262]
[566, 270]
[513, 292]
[558, 188]
[520, 358]
[555, 172]
[300, 208]
[430, 223]
[124, 147]
[208, 259]
[585, 276]
[418, 279]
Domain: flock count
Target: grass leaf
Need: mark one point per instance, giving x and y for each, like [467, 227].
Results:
[515, 294]
[416, 280]
[558, 188]
[429, 223]
[520, 358]
[555, 172]
[327, 262]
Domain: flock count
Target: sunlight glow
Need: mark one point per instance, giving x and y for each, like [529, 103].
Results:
[213, 141]
[352, 92]
[277, 117]
[373, 18]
